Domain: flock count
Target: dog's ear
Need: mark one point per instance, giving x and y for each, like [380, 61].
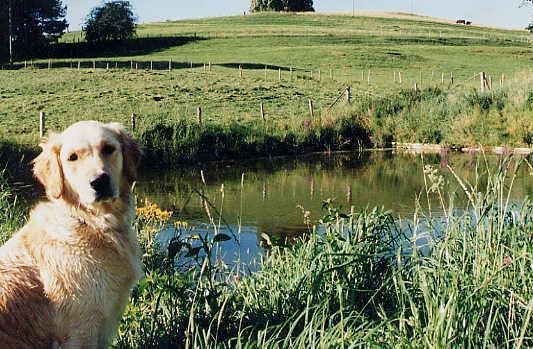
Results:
[131, 152]
[47, 167]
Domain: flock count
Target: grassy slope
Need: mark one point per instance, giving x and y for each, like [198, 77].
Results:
[348, 46]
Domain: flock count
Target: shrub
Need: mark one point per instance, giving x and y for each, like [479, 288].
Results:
[485, 100]
[113, 20]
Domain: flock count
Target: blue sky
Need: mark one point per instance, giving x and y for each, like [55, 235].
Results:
[500, 13]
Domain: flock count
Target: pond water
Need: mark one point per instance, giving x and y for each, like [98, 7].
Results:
[249, 198]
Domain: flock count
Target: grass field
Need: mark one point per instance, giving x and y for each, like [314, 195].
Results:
[326, 52]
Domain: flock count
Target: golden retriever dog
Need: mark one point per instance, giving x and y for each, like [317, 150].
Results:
[66, 276]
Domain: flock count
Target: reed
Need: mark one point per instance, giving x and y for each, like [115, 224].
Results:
[458, 280]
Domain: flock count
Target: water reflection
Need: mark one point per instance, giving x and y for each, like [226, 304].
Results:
[272, 196]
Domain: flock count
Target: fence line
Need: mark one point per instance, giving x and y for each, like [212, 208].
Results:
[170, 64]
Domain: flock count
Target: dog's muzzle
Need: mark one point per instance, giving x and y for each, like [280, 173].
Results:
[102, 187]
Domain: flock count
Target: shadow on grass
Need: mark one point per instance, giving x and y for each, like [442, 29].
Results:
[120, 63]
[253, 66]
[116, 48]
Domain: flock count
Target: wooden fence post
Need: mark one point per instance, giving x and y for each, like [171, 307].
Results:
[240, 71]
[451, 77]
[131, 65]
[266, 72]
[25, 64]
[279, 74]
[151, 65]
[442, 78]
[319, 75]
[311, 111]
[368, 76]
[79, 65]
[49, 63]
[41, 124]
[482, 81]
[400, 77]
[416, 87]
[348, 95]
[136, 66]
[133, 121]
[210, 67]
[199, 115]
[262, 110]
[170, 64]
[94, 65]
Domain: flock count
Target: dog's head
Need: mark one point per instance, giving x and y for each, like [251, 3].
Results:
[90, 163]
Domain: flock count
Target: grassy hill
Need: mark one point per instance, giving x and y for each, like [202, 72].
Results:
[326, 53]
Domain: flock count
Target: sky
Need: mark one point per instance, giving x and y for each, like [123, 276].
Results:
[498, 13]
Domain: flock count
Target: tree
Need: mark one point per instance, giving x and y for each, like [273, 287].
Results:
[266, 5]
[282, 5]
[34, 24]
[298, 5]
[113, 20]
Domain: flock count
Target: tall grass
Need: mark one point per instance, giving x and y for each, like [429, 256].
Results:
[461, 280]
[11, 217]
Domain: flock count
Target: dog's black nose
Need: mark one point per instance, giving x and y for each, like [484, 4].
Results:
[102, 185]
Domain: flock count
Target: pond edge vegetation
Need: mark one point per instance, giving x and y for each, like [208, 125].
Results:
[429, 116]
[367, 279]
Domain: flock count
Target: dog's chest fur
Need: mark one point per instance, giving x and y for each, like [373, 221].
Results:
[88, 265]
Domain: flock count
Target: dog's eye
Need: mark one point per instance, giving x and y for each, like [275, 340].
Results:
[108, 150]
[73, 157]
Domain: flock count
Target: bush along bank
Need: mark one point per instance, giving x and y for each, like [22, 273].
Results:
[431, 116]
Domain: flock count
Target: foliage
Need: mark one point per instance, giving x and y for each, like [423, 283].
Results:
[113, 20]
[282, 5]
[35, 23]
[173, 142]
[460, 280]
[11, 215]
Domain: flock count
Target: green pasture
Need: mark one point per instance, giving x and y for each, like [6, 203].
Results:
[281, 61]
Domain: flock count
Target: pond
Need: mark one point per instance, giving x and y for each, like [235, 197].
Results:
[269, 196]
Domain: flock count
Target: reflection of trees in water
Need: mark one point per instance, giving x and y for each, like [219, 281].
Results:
[273, 187]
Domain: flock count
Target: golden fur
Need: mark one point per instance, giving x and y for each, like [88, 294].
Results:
[66, 276]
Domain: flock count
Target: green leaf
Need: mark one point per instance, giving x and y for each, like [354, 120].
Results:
[221, 237]
[193, 252]
[174, 247]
